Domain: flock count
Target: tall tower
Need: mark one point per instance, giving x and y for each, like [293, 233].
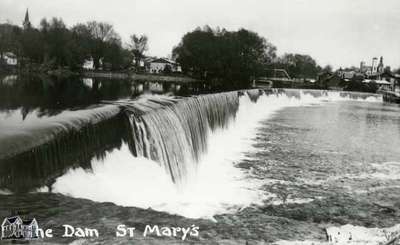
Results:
[26, 24]
[381, 66]
[362, 66]
[374, 65]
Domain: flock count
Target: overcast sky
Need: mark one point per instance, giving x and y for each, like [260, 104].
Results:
[336, 32]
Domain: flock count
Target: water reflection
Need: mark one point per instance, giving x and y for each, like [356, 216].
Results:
[51, 95]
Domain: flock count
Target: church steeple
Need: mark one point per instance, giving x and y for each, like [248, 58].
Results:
[381, 67]
[26, 23]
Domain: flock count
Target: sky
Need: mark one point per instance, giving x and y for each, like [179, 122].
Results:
[340, 33]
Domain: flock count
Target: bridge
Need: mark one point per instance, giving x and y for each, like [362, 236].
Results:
[272, 77]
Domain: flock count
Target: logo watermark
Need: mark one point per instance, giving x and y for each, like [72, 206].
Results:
[16, 228]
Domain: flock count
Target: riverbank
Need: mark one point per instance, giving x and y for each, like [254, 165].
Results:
[140, 77]
[64, 73]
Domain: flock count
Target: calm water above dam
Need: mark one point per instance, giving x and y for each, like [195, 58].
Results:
[275, 166]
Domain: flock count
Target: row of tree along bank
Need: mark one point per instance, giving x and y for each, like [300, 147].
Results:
[54, 46]
[233, 59]
[223, 59]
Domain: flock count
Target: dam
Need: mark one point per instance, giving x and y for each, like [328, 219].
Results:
[255, 156]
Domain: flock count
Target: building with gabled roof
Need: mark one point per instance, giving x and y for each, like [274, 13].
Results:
[11, 228]
[160, 65]
[15, 228]
[9, 58]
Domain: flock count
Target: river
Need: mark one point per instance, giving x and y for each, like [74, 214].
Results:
[281, 166]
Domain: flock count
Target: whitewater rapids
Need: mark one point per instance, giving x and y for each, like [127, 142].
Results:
[209, 183]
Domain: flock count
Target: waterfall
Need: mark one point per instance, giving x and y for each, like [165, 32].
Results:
[175, 132]
[175, 135]
[191, 143]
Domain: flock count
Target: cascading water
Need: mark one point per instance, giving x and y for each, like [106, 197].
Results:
[197, 140]
[176, 135]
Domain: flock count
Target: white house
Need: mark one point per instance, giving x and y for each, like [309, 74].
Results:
[347, 74]
[88, 64]
[382, 84]
[10, 59]
[160, 65]
[11, 228]
[16, 228]
[30, 229]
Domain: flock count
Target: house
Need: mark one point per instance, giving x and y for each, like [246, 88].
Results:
[382, 84]
[11, 228]
[16, 228]
[10, 59]
[162, 65]
[346, 75]
[144, 64]
[328, 80]
[88, 64]
[30, 229]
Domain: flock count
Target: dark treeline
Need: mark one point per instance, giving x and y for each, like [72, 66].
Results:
[225, 59]
[233, 58]
[299, 65]
[53, 45]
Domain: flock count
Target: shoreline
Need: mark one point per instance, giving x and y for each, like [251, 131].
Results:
[173, 78]
[140, 77]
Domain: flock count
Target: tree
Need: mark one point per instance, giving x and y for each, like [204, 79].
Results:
[57, 37]
[327, 68]
[224, 58]
[298, 65]
[32, 45]
[198, 51]
[102, 31]
[54, 45]
[138, 45]
[167, 69]
[9, 38]
[113, 55]
[102, 35]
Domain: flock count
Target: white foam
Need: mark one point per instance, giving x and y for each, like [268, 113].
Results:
[216, 186]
